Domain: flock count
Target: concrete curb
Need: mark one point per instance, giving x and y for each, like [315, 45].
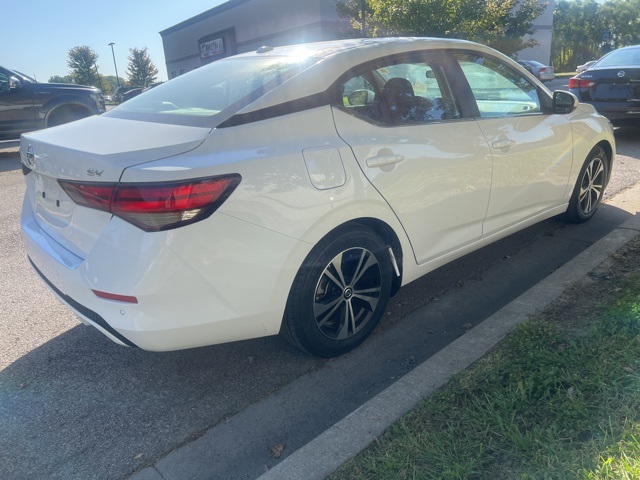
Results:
[331, 449]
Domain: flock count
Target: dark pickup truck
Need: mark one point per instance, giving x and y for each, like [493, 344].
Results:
[27, 105]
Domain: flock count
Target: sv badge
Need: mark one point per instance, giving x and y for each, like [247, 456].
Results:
[94, 172]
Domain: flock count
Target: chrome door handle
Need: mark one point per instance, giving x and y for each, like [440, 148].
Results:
[500, 144]
[382, 160]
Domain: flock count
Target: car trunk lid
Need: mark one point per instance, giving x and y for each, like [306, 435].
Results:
[615, 85]
[97, 149]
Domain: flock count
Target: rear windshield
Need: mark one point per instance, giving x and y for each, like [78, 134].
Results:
[210, 94]
[618, 58]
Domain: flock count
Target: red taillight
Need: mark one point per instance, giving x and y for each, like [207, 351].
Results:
[155, 206]
[92, 195]
[577, 83]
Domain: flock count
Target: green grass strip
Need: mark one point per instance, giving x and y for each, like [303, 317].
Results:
[547, 403]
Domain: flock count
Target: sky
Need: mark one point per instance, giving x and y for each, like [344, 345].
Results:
[38, 34]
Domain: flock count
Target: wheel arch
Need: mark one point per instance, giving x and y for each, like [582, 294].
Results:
[608, 149]
[56, 106]
[388, 236]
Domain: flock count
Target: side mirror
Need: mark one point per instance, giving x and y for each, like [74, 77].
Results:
[564, 102]
[14, 83]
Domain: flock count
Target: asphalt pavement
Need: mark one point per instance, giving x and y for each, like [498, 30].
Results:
[73, 405]
[235, 448]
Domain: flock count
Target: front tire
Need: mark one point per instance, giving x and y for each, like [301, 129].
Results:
[589, 190]
[340, 293]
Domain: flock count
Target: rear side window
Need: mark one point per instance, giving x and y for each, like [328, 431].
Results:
[399, 92]
[498, 90]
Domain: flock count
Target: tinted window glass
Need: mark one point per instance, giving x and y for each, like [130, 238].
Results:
[404, 93]
[498, 90]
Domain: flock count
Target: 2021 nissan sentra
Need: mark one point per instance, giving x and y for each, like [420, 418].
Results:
[295, 189]
[612, 85]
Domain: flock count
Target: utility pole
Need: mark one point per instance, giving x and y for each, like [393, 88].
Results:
[114, 64]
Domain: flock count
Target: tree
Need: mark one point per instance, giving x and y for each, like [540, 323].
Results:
[140, 70]
[621, 19]
[584, 30]
[502, 24]
[354, 11]
[59, 79]
[577, 33]
[82, 62]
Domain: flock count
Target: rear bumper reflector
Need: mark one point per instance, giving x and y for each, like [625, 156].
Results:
[113, 296]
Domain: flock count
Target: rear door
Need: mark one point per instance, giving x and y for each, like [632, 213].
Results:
[415, 144]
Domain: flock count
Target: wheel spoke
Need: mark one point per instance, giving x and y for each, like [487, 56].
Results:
[320, 309]
[347, 320]
[369, 296]
[592, 186]
[338, 281]
[337, 265]
[371, 260]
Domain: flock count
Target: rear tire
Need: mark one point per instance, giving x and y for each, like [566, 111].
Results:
[589, 188]
[339, 294]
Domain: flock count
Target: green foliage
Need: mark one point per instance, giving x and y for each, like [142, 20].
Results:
[60, 79]
[584, 30]
[502, 24]
[141, 70]
[110, 84]
[82, 62]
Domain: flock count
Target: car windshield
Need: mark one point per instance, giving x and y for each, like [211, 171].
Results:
[218, 89]
[623, 57]
[24, 77]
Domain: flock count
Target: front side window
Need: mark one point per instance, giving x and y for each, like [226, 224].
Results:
[498, 90]
[4, 83]
[400, 93]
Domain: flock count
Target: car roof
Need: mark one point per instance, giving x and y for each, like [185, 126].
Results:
[338, 56]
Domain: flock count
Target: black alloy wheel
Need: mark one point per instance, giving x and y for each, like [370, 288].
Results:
[340, 293]
[589, 189]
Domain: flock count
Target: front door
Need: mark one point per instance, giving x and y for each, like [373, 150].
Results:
[531, 147]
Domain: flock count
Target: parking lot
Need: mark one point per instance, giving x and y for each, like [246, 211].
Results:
[75, 405]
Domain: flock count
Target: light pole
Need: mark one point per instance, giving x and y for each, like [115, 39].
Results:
[114, 63]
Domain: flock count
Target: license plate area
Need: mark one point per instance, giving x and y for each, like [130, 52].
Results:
[614, 92]
[52, 204]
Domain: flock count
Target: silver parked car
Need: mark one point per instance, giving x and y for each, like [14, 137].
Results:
[544, 73]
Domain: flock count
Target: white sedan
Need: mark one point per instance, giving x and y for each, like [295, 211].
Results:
[295, 189]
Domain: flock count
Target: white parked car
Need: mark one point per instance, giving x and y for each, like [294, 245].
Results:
[295, 189]
[585, 66]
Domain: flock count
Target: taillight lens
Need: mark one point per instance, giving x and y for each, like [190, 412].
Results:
[577, 83]
[155, 206]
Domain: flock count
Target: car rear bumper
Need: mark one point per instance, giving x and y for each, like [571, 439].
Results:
[623, 110]
[618, 110]
[184, 301]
